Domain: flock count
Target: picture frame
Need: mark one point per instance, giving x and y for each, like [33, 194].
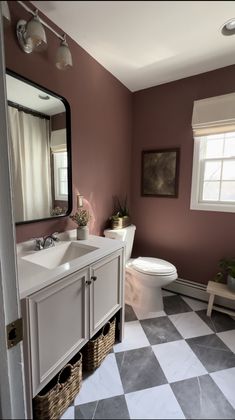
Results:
[160, 173]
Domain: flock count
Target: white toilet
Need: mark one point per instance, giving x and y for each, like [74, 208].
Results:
[144, 276]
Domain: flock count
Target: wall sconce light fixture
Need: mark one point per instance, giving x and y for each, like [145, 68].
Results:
[63, 56]
[6, 11]
[32, 37]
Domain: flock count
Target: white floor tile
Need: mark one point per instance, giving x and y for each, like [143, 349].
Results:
[134, 337]
[228, 337]
[178, 361]
[154, 403]
[225, 379]
[189, 324]
[147, 315]
[105, 382]
[195, 305]
[68, 414]
[166, 293]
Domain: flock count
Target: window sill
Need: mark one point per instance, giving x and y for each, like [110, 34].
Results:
[228, 208]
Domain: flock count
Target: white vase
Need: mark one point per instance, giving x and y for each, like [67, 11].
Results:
[82, 233]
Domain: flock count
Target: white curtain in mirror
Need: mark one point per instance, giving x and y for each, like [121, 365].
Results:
[30, 137]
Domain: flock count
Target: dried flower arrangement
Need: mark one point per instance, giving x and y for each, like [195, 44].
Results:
[81, 217]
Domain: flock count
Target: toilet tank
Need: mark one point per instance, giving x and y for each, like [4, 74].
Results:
[126, 234]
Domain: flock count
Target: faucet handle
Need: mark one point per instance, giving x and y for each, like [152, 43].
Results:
[39, 244]
[55, 237]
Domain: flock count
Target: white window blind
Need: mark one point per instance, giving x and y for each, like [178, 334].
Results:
[214, 115]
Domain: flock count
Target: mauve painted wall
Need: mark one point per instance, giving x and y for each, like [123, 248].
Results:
[58, 121]
[101, 113]
[166, 227]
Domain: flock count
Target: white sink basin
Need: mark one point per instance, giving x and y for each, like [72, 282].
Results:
[60, 254]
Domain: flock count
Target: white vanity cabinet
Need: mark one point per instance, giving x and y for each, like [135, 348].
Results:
[106, 290]
[57, 326]
[62, 317]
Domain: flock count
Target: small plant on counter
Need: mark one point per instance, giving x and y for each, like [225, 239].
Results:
[81, 217]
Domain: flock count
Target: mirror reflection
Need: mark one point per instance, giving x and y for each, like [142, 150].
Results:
[39, 151]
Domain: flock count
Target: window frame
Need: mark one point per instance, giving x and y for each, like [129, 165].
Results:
[196, 202]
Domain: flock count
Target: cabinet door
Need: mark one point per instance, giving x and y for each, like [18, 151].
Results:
[58, 322]
[106, 290]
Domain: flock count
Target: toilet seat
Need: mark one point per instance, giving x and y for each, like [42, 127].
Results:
[152, 266]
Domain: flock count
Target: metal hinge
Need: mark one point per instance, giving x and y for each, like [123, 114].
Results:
[14, 333]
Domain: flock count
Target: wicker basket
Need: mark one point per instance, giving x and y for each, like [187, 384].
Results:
[97, 349]
[53, 400]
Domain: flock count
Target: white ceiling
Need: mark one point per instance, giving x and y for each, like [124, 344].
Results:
[25, 94]
[146, 43]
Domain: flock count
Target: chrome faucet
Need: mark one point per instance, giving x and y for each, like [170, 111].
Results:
[46, 241]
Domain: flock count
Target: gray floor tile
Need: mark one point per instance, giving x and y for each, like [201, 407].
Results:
[218, 321]
[175, 305]
[200, 398]
[85, 411]
[139, 369]
[160, 330]
[110, 408]
[130, 314]
[212, 352]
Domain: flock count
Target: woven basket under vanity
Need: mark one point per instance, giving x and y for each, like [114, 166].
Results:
[56, 397]
[97, 349]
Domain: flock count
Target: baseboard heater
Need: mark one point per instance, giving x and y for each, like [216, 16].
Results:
[197, 291]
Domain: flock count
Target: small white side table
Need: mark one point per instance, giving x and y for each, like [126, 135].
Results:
[219, 289]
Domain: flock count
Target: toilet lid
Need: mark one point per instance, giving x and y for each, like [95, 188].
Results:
[153, 266]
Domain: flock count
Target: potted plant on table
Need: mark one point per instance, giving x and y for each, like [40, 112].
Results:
[227, 272]
[81, 218]
[121, 217]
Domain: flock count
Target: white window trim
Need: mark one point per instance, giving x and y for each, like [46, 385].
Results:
[195, 204]
[60, 194]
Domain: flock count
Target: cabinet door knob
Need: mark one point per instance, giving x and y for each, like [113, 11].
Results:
[94, 278]
[88, 282]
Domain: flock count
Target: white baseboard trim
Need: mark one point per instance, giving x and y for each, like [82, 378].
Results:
[197, 291]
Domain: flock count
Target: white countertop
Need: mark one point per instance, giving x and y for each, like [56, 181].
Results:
[33, 277]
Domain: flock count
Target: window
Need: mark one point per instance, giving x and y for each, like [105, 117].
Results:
[60, 176]
[213, 186]
[213, 178]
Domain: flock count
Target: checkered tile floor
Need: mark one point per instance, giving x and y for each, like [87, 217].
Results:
[173, 364]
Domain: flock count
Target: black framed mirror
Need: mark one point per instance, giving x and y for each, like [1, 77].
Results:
[40, 145]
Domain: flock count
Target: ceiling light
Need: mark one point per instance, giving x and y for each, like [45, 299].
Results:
[229, 27]
[63, 56]
[44, 97]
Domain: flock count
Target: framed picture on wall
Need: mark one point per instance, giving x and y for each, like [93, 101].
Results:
[160, 173]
